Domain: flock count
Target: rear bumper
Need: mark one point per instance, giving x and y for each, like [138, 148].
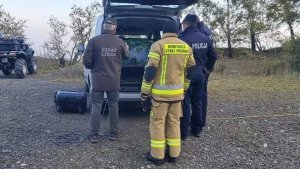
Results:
[128, 97]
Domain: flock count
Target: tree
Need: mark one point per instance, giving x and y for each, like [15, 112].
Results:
[82, 25]
[254, 16]
[55, 47]
[11, 26]
[284, 11]
[206, 9]
[228, 23]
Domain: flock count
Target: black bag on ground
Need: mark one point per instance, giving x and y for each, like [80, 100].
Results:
[70, 101]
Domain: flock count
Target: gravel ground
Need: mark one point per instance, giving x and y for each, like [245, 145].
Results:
[34, 135]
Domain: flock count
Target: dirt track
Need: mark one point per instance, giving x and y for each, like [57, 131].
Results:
[34, 135]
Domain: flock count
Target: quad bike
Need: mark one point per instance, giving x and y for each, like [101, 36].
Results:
[18, 56]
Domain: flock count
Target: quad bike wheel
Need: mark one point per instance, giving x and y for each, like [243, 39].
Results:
[21, 68]
[32, 66]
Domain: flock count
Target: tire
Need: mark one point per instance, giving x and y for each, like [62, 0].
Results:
[32, 65]
[6, 71]
[21, 68]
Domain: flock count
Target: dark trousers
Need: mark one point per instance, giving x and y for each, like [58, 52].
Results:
[204, 100]
[194, 105]
[97, 98]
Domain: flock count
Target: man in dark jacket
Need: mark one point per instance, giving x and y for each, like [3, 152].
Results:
[205, 30]
[205, 57]
[103, 56]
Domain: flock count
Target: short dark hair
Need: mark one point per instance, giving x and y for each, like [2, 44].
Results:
[170, 27]
[191, 20]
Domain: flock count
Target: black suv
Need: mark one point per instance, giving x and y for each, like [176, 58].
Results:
[140, 24]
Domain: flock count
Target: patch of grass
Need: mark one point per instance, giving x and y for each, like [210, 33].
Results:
[274, 68]
[241, 88]
[257, 66]
[220, 68]
[72, 73]
[241, 79]
[292, 50]
[46, 65]
[49, 68]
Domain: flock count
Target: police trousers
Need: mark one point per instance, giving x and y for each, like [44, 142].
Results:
[97, 98]
[194, 105]
[165, 128]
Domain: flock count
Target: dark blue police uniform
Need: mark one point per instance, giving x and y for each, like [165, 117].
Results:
[205, 30]
[205, 57]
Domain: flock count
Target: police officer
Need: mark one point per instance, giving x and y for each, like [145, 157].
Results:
[205, 57]
[166, 78]
[103, 56]
[205, 30]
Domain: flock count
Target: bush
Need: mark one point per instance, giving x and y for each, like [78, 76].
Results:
[46, 65]
[274, 67]
[292, 52]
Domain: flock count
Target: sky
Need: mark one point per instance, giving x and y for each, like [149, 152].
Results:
[37, 14]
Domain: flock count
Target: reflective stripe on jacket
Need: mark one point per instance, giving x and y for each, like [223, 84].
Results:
[171, 56]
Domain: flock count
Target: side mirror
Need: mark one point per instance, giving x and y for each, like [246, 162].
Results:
[80, 49]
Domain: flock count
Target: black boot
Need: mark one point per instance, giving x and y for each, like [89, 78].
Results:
[172, 160]
[112, 136]
[93, 138]
[198, 134]
[154, 160]
[168, 157]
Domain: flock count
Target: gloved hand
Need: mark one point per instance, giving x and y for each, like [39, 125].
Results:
[146, 102]
[145, 96]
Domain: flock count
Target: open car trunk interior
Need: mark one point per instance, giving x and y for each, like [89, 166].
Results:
[170, 5]
[139, 33]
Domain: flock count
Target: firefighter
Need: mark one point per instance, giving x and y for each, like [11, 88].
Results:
[166, 78]
[205, 56]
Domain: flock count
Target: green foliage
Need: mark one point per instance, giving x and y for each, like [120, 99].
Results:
[47, 65]
[242, 53]
[82, 20]
[11, 26]
[274, 67]
[284, 11]
[253, 14]
[292, 52]
[55, 47]
[138, 51]
[238, 53]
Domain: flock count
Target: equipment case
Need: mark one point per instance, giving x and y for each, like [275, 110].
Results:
[70, 101]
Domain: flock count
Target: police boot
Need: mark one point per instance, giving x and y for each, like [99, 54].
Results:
[154, 160]
[93, 138]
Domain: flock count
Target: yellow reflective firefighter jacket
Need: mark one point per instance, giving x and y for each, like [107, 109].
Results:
[171, 56]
